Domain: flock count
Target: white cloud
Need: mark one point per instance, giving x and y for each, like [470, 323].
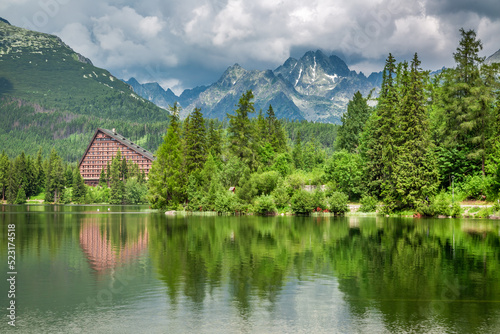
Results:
[193, 41]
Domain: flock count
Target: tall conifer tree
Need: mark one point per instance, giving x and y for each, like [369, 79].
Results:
[166, 177]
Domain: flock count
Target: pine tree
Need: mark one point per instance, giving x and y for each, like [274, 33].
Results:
[39, 172]
[166, 177]
[21, 196]
[380, 141]
[12, 184]
[102, 178]
[277, 136]
[55, 178]
[214, 140]
[415, 172]
[79, 189]
[4, 173]
[116, 186]
[195, 142]
[353, 122]
[240, 132]
[297, 154]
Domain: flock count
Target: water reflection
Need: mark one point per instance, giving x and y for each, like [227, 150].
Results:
[97, 238]
[260, 274]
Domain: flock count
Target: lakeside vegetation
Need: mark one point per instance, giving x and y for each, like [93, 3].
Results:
[430, 142]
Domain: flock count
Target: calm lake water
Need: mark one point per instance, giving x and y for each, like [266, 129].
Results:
[129, 270]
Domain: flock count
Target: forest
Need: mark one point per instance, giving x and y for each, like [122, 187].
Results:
[430, 142]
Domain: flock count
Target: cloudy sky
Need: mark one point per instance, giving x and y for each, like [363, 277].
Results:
[182, 44]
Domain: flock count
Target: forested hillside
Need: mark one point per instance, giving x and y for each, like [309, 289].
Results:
[51, 96]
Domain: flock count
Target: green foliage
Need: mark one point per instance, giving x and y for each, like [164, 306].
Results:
[135, 192]
[456, 210]
[195, 141]
[319, 200]
[79, 189]
[442, 204]
[280, 195]
[283, 164]
[21, 196]
[337, 203]
[167, 181]
[264, 205]
[475, 187]
[368, 204]
[302, 202]
[55, 179]
[484, 213]
[240, 132]
[345, 170]
[353, 123]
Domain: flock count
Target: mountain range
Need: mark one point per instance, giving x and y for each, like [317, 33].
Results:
[315, 87]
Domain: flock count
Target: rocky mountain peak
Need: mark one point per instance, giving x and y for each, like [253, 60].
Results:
[494, 58]
[231, 75]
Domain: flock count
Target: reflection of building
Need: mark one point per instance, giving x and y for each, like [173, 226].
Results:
[101, 253]
[103, 147]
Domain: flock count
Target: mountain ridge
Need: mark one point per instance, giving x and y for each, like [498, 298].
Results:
[315, 87]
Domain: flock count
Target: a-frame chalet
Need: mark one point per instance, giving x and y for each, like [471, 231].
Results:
[103, 147]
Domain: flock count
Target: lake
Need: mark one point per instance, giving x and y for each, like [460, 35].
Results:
[131, 270]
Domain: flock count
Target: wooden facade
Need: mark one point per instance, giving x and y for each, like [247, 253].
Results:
[103, 147]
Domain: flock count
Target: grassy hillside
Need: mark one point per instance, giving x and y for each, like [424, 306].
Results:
[50, 96]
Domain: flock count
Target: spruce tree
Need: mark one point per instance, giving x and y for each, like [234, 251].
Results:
[12, 184]
[79, 189]
[102, 178]
[415, 172]
[195, 142]
[214, 139]
[116, 185]
[166, 177]
[380, 142]
[39, 171]
[4, 173]
[277, 136]
[297, 154]
[353, 122]
[240, 132]
[55, 178]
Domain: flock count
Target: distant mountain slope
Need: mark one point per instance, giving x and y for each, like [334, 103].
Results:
[494, 58]
[314, 87]
[153, 92]
[49, 92]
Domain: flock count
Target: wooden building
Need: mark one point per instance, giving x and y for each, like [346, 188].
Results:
[103, 147]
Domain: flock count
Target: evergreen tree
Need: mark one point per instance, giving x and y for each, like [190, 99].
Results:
[166, 177]
[275, 130]
[21, 196]
[214, 139]
[39, 172]
[353, 122]
[108, 173]
[79, 189]
[124, 170]
[4, 173]
[379, 150]
[297, 154]
[12, 184]
[55, 178]
[102, 178]
[240, 132]
[195, 142]
[116, 185]
[415, 171]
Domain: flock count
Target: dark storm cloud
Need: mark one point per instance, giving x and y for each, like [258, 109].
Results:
[483, 8]
[181, 44]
